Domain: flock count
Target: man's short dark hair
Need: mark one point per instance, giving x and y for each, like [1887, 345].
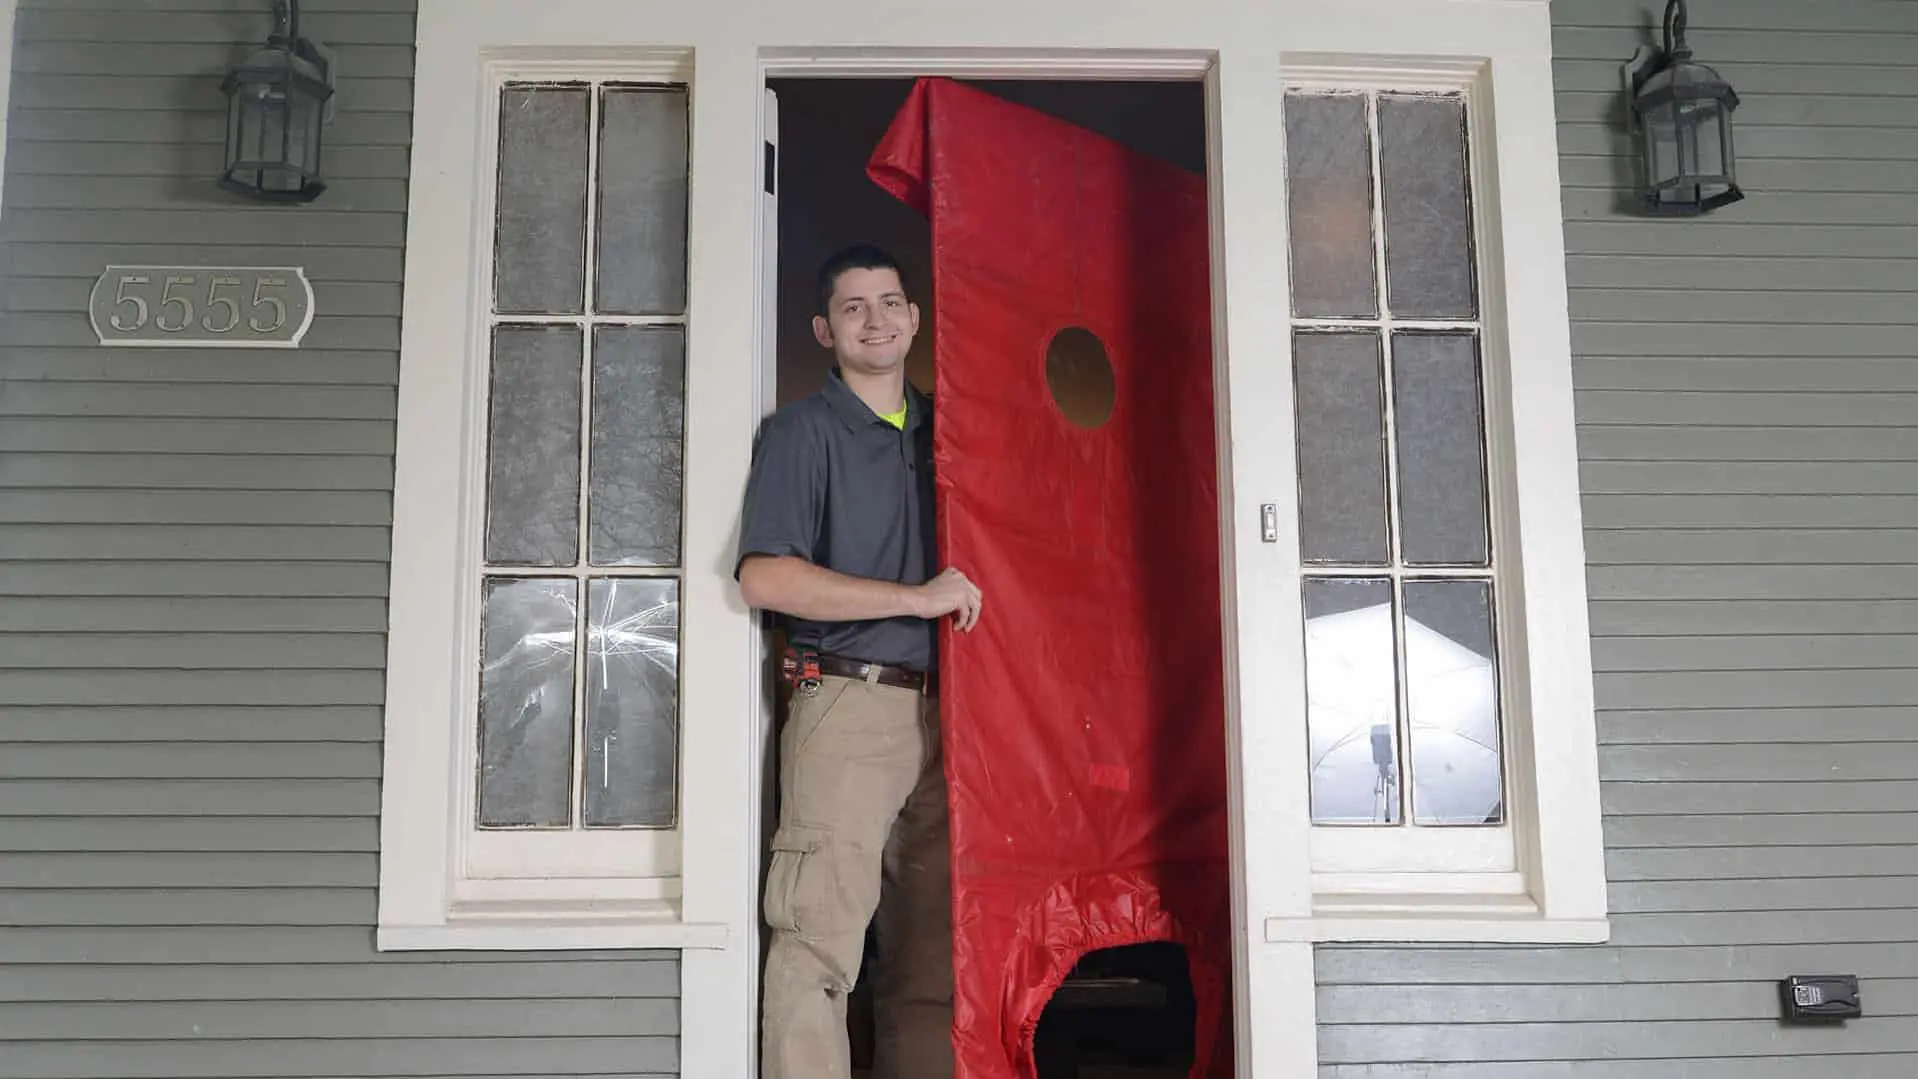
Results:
[856, 257]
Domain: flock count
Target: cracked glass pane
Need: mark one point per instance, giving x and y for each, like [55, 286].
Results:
[632, 703]
[526, 702]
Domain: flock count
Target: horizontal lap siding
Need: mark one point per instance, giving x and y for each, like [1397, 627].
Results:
[1748, 406]
[193, 553]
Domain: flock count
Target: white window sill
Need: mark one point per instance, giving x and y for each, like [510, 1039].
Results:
[542, 935]
[1438, 919]
[1431, 930]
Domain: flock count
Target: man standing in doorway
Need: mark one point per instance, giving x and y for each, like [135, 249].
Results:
[838, 538]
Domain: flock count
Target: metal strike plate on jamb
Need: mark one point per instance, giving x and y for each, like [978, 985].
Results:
[1269, 522]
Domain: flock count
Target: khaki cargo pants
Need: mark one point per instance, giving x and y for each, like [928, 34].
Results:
[862, 834]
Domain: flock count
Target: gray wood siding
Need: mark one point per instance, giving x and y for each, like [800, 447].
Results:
[193, 556]
[1748, 408]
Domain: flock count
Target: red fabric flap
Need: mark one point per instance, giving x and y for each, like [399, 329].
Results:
[1084, 716]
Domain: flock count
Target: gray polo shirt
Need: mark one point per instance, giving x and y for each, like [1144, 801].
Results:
[836, 485]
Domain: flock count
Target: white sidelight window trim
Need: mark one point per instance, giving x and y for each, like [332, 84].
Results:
[8, 18]
[1539, 876]
[1244, 50]
[444, 882]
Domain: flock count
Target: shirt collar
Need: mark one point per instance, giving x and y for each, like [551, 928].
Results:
[855, 413]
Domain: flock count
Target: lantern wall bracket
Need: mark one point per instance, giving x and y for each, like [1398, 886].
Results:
[1647, 59]
[286, 32]
[1633, 72]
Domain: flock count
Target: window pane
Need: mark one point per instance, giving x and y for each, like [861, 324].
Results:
[539, 243]
[1452, 695]
[1687, 143]
[1441, 443]
[642, 202]
[526, 702]
[632, 702]
[1341, 433]
[1329, 203]
[1428, 223]
[532, 447]
[1661, 124]
[1351, 685]
[639, 381]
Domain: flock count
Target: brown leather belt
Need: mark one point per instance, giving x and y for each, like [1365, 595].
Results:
[902, 677]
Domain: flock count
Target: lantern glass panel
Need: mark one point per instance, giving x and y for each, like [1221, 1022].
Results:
[1687, 145]
[1705, 118]
[1661, 144]
[303, 148]
[237, 116]
[272, 109]
[1726, 167]
[1698, 137]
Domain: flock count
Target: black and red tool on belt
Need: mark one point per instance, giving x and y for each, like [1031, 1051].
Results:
[800, 667]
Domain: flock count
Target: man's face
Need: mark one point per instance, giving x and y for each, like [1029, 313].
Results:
[869, 324]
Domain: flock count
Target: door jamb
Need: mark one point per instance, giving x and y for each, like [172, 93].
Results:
[1286, 976]
[8, 41]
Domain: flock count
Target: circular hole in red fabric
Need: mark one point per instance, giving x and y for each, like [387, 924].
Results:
[1079, 374]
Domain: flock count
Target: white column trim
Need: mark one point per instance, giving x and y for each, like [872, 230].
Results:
[7, 43]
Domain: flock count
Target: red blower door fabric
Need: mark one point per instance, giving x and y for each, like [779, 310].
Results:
[1084, 715]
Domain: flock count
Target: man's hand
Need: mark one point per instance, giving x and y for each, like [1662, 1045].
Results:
[951, 593]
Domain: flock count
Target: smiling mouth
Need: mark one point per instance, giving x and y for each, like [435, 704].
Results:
[886, 340]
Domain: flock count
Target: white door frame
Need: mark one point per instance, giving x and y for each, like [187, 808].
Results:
[1243, 49]
[7, 17]
[1280, 976]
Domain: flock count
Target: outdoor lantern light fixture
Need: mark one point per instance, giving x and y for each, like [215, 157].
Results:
[277, 101]
[1683, 114]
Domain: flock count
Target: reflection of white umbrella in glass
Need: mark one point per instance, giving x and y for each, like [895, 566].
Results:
[534, 674]
[1351, 691]
[526, 687]
[539, 620]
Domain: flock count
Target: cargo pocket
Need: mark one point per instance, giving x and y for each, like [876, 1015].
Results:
[798, 884]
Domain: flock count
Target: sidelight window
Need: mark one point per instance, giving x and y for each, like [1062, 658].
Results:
[1402, 688]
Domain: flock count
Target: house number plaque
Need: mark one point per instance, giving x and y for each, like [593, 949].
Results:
[201, 306]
